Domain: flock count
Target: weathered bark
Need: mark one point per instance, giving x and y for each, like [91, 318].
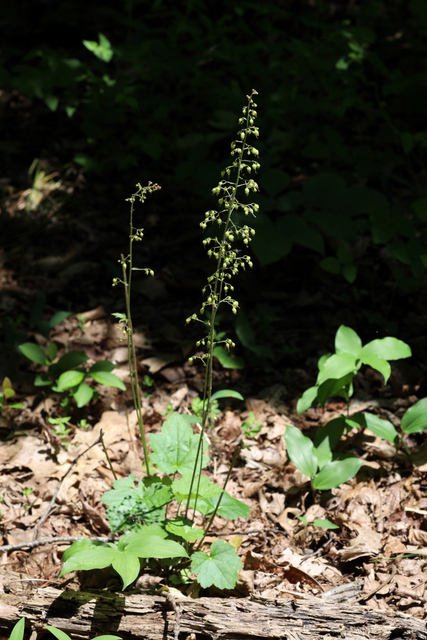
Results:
[87, 614]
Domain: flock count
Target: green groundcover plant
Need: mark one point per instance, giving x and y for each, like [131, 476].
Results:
[6, 392]
[316, 457]
[19, 628]
[67, 375]
[156, 515]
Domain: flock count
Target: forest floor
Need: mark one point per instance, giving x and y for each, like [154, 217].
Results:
[65, 247]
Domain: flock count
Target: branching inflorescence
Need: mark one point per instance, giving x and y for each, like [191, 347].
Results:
[219, 289]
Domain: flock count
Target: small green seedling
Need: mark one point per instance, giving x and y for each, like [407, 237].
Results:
[315, 458]
[7, 392]
[336, 371]
[319, 522]
[197, 405]
[67, 375]
[61, 431]
[251, 427]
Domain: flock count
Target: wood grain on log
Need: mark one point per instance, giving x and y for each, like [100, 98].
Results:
[87, 614]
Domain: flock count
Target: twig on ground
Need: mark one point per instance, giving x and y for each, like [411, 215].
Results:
[37, 543]
[366, 596]
[52, 502]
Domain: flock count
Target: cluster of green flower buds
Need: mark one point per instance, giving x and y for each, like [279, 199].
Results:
[235, 180]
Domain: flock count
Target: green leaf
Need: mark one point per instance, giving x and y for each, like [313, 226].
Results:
[182, 528]
[220, 568]
[307, 399]
[69, 379]
[98, 558]
[336, 472]
[340, 387]
[52, 350]
[347, 341]
[70, 360]
[325, 524]
[388, 348]
[108, 379]
[61, 635]
[381, 428]
[201, 487]
[415, 418]
[226, 360]
[83, 394]
[128, 505]
[175, 448]
[349, 271]
[376, 363]
[121, 317]
[18, 630]
[58, 317]
[151, 546]
[331, 265]
[127, 566]
[42, 380]
[80, 545]
[102, 365]
[226, 393]
[229, 507]
[326, 438]
[101, 49]
[33, 352]
[301, 451]
[338, 366]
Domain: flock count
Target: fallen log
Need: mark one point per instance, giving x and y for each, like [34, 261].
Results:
[85, 614]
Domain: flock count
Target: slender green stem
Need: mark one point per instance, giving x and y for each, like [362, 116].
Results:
[127, 268]
[233, 462]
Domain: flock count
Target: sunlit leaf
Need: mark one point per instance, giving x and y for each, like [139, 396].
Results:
[347, 341]
[18, 630]
[388, 348]
[219, 568]
[33, 352]
[415, 418]
[336, 472]
[301, 451]
[175, 448]
[108, 379]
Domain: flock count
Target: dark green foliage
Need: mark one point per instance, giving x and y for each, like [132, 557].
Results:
[343, 91]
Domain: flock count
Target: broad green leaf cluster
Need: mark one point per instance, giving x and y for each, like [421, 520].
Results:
[67, 375]
[138, 509]
[336, 371]
[315, 457]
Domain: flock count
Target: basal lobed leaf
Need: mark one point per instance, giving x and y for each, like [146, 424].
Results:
[175, 448]
[220, 568]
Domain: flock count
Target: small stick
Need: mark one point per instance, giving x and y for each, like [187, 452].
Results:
[37, 543]
[52, 502]
[101, 438]
[369, 595]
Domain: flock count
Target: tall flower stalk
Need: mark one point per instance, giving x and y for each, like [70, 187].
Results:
[135, 235]
[236, 180]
